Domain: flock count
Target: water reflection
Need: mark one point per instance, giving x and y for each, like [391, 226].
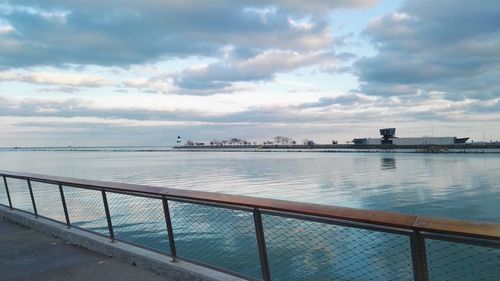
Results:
[460, 186]
[388, 163]
[444, 185]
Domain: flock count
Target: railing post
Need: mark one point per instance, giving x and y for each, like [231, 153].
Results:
[32, 198]
[108, 216]
[419, 257]
[63, 200]
[170, 230]
[261, 244]
[8, 193]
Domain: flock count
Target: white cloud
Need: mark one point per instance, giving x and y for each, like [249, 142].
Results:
[4, 29]
[57, 79]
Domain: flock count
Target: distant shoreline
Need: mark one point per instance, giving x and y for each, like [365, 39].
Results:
[345, 146]
[351, 148]
[453, 149]
[466, 151]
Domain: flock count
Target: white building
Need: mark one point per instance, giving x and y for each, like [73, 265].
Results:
[424, 141]
[389, 137]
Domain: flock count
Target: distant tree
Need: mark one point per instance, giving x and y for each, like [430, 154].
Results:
[189, 143]
[308, 142]
[215, 143]
[237, 141]
[287, 140]
[282, 140]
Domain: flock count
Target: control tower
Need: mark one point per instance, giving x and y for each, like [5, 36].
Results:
[387, 135]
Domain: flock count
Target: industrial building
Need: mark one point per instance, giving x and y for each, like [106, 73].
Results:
[389, 137]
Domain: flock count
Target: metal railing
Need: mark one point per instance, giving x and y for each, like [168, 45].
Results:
[263, 239]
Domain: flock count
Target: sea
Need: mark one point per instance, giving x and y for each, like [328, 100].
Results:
[459, 186]
[446, 185]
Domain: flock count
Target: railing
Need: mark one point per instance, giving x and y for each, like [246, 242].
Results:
[263, 239]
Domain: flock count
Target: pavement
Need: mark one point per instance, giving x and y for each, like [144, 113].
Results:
[26, 254]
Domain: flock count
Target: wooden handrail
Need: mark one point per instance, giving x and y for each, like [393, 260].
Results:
[484, 230]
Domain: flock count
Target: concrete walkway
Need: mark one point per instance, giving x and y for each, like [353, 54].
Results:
[26, 254]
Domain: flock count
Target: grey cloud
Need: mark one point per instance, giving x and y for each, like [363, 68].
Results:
[167, 85]
[60, 90]
[435, 46]
[485, 107]
[377, 109]
[324, 5]
[348, 99]
[83, 108]
[429, 116]
[388, 89]
[121, 33]
[262, 67]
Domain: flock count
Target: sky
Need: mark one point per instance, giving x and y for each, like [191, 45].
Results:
[108, 72]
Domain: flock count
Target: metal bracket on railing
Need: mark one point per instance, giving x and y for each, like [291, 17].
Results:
[168, 221]
[65, 208]
[108, 216]
[261, 244]
[32, 198]
[419, 256]
[8, 193]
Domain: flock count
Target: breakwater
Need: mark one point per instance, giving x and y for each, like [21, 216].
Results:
[456, 148]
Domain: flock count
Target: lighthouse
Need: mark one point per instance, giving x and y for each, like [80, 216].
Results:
[178, 140]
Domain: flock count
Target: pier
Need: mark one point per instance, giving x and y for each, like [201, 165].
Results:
[213, 236]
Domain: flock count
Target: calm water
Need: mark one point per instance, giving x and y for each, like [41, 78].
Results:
[463, 186]
[445, 185]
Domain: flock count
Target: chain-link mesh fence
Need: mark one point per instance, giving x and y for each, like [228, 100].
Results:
[305, 250]
[48, 200]
[461, 262]
[20, 194]
[139, 220]
[217, 236]
[222, 237]
[3, 193]
[86, 209]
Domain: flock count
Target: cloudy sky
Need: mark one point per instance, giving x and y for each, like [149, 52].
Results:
[128, 72]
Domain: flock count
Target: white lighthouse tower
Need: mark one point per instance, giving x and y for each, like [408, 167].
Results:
[179, 140]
